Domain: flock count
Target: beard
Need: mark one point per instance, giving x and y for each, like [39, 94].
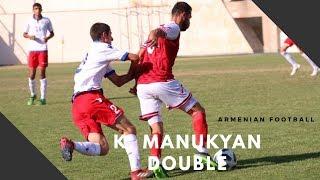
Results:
[185, 26]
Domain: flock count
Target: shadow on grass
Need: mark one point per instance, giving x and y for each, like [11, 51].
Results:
[272, 160]
[176, 172]
[179, 172]
[256, 162]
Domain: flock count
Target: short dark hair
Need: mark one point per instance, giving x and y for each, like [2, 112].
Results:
[97, 29]
[181, 7]
[37, 5]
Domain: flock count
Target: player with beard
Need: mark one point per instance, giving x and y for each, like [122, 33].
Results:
[156, 83]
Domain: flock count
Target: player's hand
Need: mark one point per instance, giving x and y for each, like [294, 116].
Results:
[154, 35]
[152, 41]
[32, 37]
[46, 39]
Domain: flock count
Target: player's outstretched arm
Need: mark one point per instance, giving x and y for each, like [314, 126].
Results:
[133, 57]
[119, 80]
[134, 68]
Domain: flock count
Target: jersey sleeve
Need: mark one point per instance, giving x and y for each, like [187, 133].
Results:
[116, 54]
[109, 71]
[50, 28]
[172, 30]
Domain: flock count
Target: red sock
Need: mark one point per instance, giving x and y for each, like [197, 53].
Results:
[200, 127]
[156, 151]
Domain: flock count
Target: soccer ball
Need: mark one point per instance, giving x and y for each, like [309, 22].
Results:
[230, 160]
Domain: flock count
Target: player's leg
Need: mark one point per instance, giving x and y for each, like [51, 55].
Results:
[199, 124]
[96, 145]
[315, 68]
[32, 65]
[43, 63]
[84, 114]
[108, 114]
[151, 112]
[200, 128]
[180, 98]
[128, 130]
[289, 58]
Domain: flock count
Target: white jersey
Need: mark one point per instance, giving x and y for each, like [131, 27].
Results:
[95, 66]
[39, 29]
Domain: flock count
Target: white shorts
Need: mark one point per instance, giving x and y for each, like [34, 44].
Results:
[171, 93]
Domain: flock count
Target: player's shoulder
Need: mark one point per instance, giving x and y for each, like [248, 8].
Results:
[172, 30]
[97, 46]
[171, 25]
[46, 19]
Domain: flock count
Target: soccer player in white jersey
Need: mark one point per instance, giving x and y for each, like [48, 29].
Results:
[37, 30]
[90, 109]
[295, 66]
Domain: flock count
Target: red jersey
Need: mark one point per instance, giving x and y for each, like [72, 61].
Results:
[157, 62]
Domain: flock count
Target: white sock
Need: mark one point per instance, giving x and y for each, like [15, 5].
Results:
[88, 148]
[312, 64]
[131, 146]
[202, 149]
[32, 87]
[289, 58]
[43, 88]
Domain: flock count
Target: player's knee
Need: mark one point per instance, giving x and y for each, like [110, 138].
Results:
[203, 110]
[32, 75]
[128, 130]
[42, 75]
[104, 148]
[283, 50]
[104, 151]
[196, 109]
[157, 128]
[131, 130]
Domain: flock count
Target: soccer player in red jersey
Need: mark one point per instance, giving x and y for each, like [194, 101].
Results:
[157, 85]
[91, 109]
[295, 66]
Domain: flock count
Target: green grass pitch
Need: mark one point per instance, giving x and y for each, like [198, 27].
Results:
[248, 85]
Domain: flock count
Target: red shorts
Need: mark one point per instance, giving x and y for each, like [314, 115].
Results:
[289, 42]
[91, 109]
[38, 58]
